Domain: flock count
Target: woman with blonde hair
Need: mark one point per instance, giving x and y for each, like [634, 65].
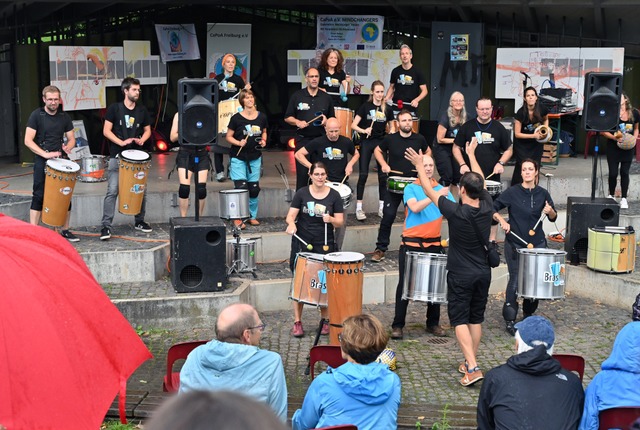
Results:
[448, 127]
[361, 392]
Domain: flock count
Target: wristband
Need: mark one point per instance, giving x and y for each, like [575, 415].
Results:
[501, 163]
[463, 164]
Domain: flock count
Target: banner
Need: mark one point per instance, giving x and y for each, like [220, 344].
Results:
[177, 42]
[349, 32]
[229, 39]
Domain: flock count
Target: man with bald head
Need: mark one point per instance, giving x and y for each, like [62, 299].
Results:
[308, 111]
[421, 233]
[332, 150]
[233, 361]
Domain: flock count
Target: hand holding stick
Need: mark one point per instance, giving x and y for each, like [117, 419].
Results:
[308, 245]
[529, 245]
[490, 175]
[532, 232]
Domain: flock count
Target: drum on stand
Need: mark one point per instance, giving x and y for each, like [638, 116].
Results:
[234, 204]
[344, 289]
[59, 182]
[541, 273]
[343, 190]
[133, 171]
[93, 168]
[246, 252]
[345, 118]
[309, 280]
[493, 187]
[611, 249]
[425, 277]
[397, 184]
[226, 109]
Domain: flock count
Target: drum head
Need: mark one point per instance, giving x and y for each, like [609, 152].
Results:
[234, 191]
[62, 165]
[492, 183]
[135, 155]
[342, 189]
[540, 251]
[343, 257]
[311, 256]
[342, 109]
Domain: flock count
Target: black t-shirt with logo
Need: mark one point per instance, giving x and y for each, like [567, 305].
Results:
[309, 222]
[493, 140]
[331, 154]
[127, 123]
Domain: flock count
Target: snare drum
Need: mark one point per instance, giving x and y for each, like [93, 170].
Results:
[345, 118]
[234, 204]
[397, 184]
[93, 168]
[134, 168]
[309, 280]
[344, 288]
[494, 187]
[246, 254]
[611, 249]
[541, 273]
[343, 190]
[60, 179]
[425, 277]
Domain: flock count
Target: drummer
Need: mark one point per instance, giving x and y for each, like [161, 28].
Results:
[333, 78]
[186, 164]
[421, 233]
[394, 145]
[126, 126]
[525, 202]
[247, 134]
[332, 150]
[315, 210]
[44, 136]
[229, 86]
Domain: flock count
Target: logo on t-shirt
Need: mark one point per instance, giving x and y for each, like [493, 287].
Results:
[484, 138]
[303, 106]
[314, 209]
[405, 80]
[251, 130]
[376, 115]
[333, 154]
[228, 87]
[129, 121]
[331, 82]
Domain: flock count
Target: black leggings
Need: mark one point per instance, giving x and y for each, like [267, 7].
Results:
[624, 157]
[367, 146]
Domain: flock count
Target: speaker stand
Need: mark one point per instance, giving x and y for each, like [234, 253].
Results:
[237, 265]
[594, 169]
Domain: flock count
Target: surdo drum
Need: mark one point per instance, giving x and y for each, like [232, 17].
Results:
[60, 179]
[611, 249]
[344, 289]
[397, 184]
[234, 204]
[309, 280]
[343, 190]
[541, 273]
[93, 168]
[345, 118]
[425, 277]
[133, 172]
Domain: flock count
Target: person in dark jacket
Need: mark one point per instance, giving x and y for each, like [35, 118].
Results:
[531, 391]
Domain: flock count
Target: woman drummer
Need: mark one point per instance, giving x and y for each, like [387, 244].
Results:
[371, 122]
[333, 79]
[315, 211]
[448, 127]
[229, 85]
[247, 134]
[618, 156]
[529, 117]
[525, 202]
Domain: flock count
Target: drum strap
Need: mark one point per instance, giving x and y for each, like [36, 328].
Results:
[421, 241]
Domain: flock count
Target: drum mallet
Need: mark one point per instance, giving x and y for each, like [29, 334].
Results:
[532, 232]
[325, 248]
[444, 243]
[308, 245]
[529, 245]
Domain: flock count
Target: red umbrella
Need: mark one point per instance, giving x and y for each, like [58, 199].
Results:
[65, 349]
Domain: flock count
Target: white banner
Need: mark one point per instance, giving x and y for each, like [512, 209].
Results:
[177, 42]
[349, 32]
[229, 39]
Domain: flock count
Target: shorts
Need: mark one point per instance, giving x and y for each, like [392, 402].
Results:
[186, 160]
[467, 297]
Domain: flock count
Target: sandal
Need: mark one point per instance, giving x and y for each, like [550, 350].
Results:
[471, 378]
[463, 367]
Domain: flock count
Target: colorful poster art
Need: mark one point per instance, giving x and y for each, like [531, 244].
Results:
[177, 42]
[140, 64]
[349, 32]
[459, 47]
[225, 39]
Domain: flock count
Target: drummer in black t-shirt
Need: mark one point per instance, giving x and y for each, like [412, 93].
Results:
[406, 84]
[525, 145]
[394, 145]
[315, 209]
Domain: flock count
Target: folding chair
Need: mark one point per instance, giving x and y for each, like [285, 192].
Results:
[572, 363]
[618, 418]
[330, 354]
[179, 351]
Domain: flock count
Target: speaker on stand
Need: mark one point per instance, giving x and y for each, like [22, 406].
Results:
[583, 213]
[198, 255]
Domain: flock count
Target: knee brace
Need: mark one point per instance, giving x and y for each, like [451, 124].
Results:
[510, 311]
[254, 189]
[183, 191]
[201, 189]
[241, 185]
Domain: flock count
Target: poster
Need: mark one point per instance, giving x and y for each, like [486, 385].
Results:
[349, 32]
[459, 47]
[177, 42]
[140, 64]
[229, 39]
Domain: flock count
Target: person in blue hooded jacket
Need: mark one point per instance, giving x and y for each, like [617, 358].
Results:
[618, 383]
[234, 361]
[360, 392]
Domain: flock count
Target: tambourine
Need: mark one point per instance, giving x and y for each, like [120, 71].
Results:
[628, 142]
[545, 132]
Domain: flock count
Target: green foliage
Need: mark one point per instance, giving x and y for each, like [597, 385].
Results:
[443, 424]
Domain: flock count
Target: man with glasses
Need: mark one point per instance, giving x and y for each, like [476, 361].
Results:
[233, 361]
[308, 111]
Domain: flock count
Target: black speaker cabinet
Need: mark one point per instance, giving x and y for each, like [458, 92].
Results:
[198, 255]
[198, 115]
[582, 213]
[601, 101]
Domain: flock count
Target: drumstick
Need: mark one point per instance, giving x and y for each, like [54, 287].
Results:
[308, 245]
[325, 247]
[245, 142]
[314, 119]
[490, 175]
[344, 179]
[532, 232]
[529, 245]
[396, 171]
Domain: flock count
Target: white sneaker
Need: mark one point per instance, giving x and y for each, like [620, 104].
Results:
[611, 197]
[380, 213]
[360, 216]
[624, 204]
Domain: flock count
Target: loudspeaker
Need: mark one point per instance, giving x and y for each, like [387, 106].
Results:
[582, 213]
[601, 108]
[197, 111]
[198, 254]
